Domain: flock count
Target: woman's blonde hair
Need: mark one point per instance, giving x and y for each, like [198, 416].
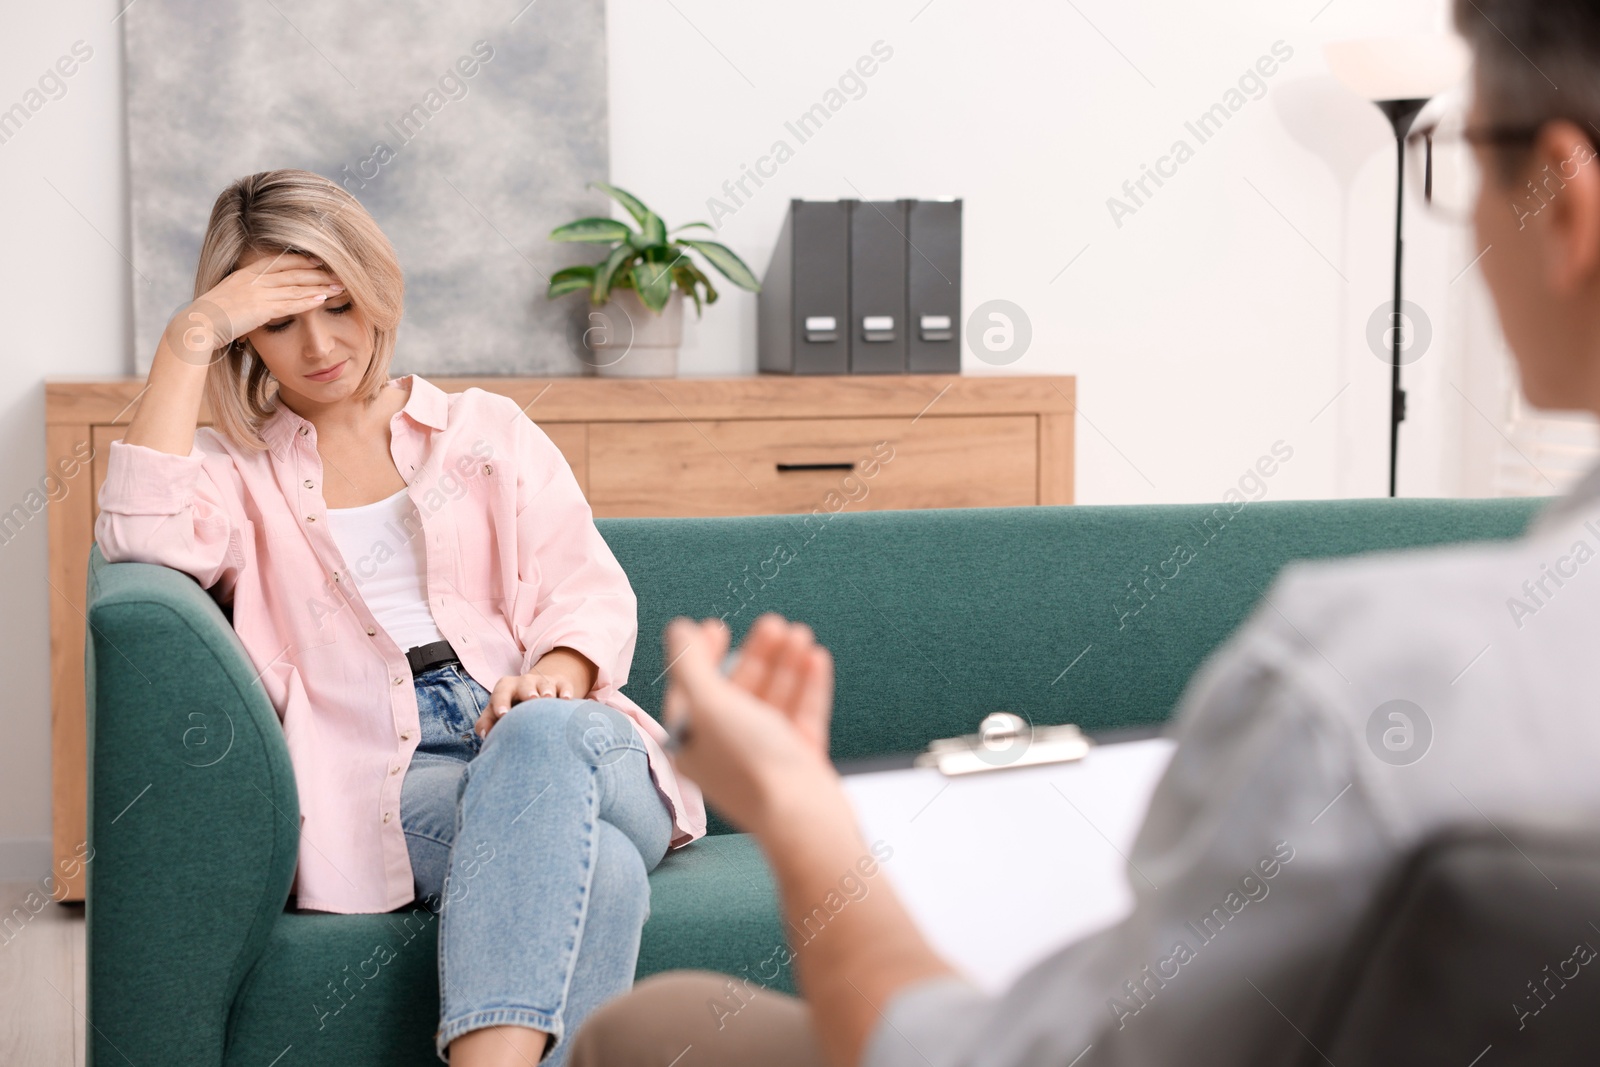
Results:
[294, 211]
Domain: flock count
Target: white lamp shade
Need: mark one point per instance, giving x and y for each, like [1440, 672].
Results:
[1399, 68]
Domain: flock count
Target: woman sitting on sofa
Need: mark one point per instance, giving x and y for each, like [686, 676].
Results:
[419, 582]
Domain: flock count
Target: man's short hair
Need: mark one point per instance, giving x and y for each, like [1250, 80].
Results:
[1536, 59]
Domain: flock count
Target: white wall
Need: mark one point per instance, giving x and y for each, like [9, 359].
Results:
[1202, 330]
[64, 310]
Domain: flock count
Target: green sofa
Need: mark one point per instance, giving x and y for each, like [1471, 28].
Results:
[934, 617]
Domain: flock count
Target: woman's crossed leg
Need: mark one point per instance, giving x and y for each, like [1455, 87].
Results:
[538, 849]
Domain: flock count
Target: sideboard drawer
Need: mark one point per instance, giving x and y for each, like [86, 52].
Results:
[773, 466]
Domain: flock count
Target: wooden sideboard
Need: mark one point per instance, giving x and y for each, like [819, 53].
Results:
[683, 446]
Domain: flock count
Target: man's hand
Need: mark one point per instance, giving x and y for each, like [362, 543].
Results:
[757, 746]
[560, 673]
[749, 755]
[781, 663]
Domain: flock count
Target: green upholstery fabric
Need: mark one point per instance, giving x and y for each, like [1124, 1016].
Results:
[934, 617]
[357, 989]
[341, 989]
[191, 863]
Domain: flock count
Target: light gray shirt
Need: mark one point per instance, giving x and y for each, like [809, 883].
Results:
[1364, 704]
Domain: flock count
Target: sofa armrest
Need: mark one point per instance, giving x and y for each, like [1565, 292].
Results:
[193, 817]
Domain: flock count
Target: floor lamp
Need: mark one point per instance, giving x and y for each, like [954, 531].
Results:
[1400, 75]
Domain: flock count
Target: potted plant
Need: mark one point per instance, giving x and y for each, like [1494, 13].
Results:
[640, 285]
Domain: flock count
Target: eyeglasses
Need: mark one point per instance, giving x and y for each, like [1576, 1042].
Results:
[1443, 166]
[1447, 173]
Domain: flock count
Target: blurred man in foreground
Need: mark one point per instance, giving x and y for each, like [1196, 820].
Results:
[1277, 797]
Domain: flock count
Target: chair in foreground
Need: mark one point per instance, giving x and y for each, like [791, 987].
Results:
[1483, 949]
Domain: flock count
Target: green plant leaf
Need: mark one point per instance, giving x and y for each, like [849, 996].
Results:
[730, 265]
[692, 225]
[605, 274]
[697, 277]
[570, 280]
[673, 255]
[593, 229]
[646, 242]
[654, 282]
[571, 285]
[688, 274]
[684, 274]
[686, 283]
[654, 230]
[634, 205]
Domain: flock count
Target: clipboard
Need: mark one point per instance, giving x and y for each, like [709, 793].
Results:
[1005, 740]
[1002, 870]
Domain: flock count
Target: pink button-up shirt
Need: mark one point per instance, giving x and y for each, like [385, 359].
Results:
[515, 568]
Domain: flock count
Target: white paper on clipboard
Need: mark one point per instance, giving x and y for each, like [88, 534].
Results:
[1002, 868]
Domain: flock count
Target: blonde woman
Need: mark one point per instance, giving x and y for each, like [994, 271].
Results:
[442, 630]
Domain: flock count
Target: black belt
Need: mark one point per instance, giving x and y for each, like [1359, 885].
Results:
[426, 657]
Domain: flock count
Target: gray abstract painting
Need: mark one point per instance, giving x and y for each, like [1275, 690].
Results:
[469, 130]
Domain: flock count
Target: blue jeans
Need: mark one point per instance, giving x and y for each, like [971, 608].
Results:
[538, 841]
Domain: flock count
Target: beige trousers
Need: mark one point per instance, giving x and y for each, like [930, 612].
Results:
[697, 1019]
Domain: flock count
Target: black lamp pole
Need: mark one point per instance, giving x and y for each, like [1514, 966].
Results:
[1401, 113]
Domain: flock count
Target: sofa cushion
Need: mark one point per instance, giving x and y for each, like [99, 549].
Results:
[342, 989]
[713, 905]
[351, 988]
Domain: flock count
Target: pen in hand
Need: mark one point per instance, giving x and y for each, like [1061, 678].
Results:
[678, 732]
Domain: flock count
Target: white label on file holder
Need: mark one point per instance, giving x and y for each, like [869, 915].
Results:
[821, 328]
[877, 327]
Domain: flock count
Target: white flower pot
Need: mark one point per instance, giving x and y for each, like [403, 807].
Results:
[625, 339]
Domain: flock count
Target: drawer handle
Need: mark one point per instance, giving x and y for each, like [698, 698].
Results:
[782, 467]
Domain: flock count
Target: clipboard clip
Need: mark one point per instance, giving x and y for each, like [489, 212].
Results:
[1005, 740]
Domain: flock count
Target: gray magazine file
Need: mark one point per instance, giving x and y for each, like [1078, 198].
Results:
[878, 286]
[803, 308]
[933, 287]
[865, 287]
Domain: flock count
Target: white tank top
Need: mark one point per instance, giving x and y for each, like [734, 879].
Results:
[382, 545]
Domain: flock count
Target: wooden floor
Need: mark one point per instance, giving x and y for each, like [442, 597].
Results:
[41, 979]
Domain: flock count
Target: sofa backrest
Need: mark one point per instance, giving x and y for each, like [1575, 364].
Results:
[936, 618]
